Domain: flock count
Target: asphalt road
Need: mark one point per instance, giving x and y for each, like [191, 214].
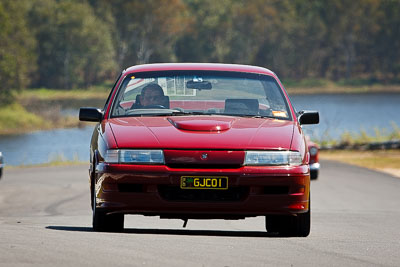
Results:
[45, 220]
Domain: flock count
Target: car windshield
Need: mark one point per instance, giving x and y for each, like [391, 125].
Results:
[200, 93]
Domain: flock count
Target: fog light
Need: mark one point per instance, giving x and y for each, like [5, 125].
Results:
[296, 207]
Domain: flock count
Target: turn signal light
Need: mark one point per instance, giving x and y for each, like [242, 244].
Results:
[298, 191]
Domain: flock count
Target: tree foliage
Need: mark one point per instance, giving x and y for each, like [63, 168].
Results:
[144, 31]
[17, 58]
[75, 47]
[75, 43]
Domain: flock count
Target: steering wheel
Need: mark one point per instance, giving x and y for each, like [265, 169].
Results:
[179, 109]
[155, 106]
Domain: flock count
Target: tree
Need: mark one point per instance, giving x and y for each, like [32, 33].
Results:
[209, 32]
[17, 60]
[263, 33]
[145, 31]
[386, 44]
[75, 47]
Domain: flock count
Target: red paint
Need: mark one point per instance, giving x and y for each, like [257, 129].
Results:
[199, 66]
[202, 124]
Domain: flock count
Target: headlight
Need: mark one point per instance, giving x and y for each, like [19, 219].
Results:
[313, 151]
[273, 158]
[134, 156]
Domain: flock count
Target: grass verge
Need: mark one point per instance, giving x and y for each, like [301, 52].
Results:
[58, 94]
[15, 118]
[323, 86]
[381, 160]
[41, 109]
[49, 164]
[54, 161]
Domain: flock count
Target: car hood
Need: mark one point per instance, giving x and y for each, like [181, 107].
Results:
[202, 132]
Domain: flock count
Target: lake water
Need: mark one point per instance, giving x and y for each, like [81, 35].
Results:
[338, 113]
[350, 112]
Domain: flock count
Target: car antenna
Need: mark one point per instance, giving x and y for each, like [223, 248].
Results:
[185, 222]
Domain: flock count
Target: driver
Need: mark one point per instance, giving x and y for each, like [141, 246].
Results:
[152, 94]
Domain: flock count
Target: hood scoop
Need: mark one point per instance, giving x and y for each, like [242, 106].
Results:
[202, 124]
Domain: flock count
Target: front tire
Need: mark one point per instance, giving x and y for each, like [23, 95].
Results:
[314, 174]
[103, 222]
[290, 225]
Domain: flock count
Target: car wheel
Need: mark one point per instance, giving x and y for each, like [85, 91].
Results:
[92, 181]
[314, 175]
[289, 225]
[103, 222]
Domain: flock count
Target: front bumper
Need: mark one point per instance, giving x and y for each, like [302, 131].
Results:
[155, 190]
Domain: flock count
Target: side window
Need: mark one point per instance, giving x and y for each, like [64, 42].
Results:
[112, 90]
[276, 99]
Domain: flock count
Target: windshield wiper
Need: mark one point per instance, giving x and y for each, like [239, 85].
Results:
[249, 115]
[183, 113]
[166, 112]
[173, 112]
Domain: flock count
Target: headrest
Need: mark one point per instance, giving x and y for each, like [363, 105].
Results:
[137, 104]
[242, 106]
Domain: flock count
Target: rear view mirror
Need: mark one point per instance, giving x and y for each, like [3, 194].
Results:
[90, 114]
[308, 117]
[198, 83]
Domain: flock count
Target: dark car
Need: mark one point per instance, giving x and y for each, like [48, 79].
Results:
[1, 164]
[200, 141]
[313, 149]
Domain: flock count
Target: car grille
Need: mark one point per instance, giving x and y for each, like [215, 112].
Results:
[203, 166]
[175, 193]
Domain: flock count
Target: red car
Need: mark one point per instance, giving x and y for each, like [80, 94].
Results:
[200, 141]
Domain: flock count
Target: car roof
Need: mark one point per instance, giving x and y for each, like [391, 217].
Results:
[198, 66]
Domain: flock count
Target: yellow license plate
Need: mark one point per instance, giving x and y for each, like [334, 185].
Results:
[204, 182]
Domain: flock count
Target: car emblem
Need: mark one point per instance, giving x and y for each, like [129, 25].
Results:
[204, 156]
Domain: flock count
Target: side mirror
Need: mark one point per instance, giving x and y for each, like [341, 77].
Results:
[90, 114]
[308, 117]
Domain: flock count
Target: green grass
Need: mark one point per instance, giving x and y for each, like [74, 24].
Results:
[324, 86]
[58, 159]
[15, 118]
[49, 164]
[40, 109]
[57, 94]
[311, 83]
